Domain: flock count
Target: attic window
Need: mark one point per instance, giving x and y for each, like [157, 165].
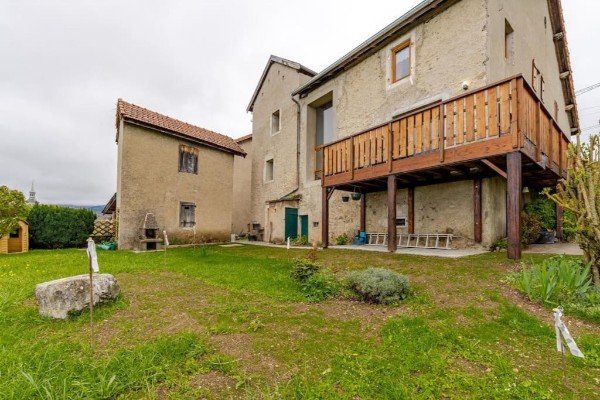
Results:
[275, 123]
[15, 234]
[188, 159]
[509, 34]
[187, 215]
[401, 61]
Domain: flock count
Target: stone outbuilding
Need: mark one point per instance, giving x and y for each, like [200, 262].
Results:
[174, 174]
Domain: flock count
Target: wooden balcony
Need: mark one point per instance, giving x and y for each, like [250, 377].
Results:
[464, 137]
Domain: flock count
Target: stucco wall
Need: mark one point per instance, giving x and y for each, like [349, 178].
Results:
[533, 39]
[149, 181]
[447, 50]
[274, 95]
[242, 184]
[446, 207]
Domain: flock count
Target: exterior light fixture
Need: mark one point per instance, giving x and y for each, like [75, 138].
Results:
[525, 189]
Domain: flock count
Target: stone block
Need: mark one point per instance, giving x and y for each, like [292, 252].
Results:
[57, 298]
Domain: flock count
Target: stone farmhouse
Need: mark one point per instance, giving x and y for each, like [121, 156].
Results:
[171, 176]
[436, 124]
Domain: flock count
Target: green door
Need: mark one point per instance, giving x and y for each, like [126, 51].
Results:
[291, 223]
[304, 225]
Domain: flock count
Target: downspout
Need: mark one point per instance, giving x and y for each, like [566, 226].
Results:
[298, 109]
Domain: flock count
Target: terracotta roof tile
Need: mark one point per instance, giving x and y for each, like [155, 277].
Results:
[132, 112]
[243, 138]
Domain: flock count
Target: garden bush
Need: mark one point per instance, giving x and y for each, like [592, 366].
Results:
[560, 281]
[315, 285]
[545, 210]
[530, 228]
[379, 285]
[55, 227]
[342, 239]
[319, 287]
[304, 269]
[300, 241]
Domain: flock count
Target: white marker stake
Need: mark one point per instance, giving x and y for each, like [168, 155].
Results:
[93, 267]
[166, 246]
[288, 243]
[563, 332]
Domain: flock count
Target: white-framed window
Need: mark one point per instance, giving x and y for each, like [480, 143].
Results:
[187, 215]
[269, 171]
[275, 122]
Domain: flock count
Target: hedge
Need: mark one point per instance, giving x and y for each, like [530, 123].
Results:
[56, 227]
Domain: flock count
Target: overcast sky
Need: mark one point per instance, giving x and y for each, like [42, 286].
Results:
[65, 63]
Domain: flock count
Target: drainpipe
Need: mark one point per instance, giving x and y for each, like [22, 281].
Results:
[298, 108]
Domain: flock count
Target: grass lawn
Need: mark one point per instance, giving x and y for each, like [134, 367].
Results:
[229, 322]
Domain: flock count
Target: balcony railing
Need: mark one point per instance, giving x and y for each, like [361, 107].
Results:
[497, 119]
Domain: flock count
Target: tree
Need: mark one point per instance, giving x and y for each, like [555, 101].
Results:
[12, 209]
[580, 194]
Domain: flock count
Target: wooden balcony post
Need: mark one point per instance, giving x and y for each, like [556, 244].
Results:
[538, 134]
[363, 213]
[441, 133]
[477, 210]
[391, 200]
[517, 117]
[352, 158]
[410, 204]
[559, 222]
[390, 147]
[513, 206]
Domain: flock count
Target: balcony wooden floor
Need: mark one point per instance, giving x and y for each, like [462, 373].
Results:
[466, 137]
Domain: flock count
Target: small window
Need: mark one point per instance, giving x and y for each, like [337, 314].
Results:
[15, 234]
[401, 222]
[187, 215]
[401, 61]
[509, 34]
[269, 170]
[535, 73]
[275, 123]
[188, 159]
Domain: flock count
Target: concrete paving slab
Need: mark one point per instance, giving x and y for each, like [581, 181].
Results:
[571, 249]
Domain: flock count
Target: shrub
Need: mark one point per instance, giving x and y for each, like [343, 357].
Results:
[379, 285]
[319, 287]
[500, 244]
[342, 239]
[545, 210]
[555, 280]
[300, 241]
[530, 228]
[304, 269]
[55, 227]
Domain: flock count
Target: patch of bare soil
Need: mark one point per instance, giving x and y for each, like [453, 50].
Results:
[239, 346]
[159, 304]
[217, 384]
[371, 315]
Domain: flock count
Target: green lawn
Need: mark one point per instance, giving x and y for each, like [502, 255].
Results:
[229, 322]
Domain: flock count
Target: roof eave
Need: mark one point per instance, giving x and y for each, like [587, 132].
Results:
[274, 59]
[368, 46]
[169, 132]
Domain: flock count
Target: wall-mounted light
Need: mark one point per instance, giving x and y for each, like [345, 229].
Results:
[465, 85]
[525, 189]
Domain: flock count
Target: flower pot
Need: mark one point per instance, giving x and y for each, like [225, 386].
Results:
[356, 195]
[546, 237]
[345, 198]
